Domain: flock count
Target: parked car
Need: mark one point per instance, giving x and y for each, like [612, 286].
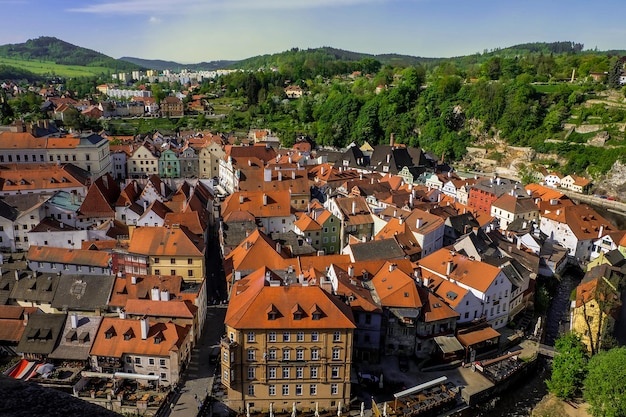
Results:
[403, 363]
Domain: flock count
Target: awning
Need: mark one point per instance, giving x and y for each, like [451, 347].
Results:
[448, 344]
[420, 387]
[126, 375]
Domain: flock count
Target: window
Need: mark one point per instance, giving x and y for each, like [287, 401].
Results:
[157, 272]
[334, 373]
[225, 377]
[334, 389]
[162, 362]
[151, 361]
[129, 359]
[157, 260]
[286, 336]
[251, 354]
[298, 389]
[272, 354]
[173, 261]
[315, 354]
[190, 272]
[272, 373]
[336, 354]
[272, 389]
[250, 337]
[315, 336]
[286, 354]
[251, 373]
[300, 337]
[299, 372]
[272, 336]
[189, 261]
[299, 354]
[138, 361]
[337, 337]
[313, 389]
[285, 373]
[285, 389]
[313, 372]
[250, 389]
[172, 272]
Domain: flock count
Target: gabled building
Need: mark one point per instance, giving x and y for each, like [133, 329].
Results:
[272, 210]
[509, 208]
[238, 156]
[145, 347]
[75, 342]
[143, 162]
[286, 341]
[99, 203]
[84, 294]
[355, 216]
[189, 163]
[576, 228]
[596, 306]
[209, 160]
[169, 251]
[41, 336]
[483, 193]
[575, 183]
[172, 106]
[169, 164]
[51, 259]
[42, 178]
[487, 283]
[320, 228]
[19, 214]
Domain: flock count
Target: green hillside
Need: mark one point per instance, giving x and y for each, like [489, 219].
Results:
[52, 50]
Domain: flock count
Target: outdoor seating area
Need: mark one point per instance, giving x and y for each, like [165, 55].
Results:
[128, 391]
[502, 368]
[431, 399]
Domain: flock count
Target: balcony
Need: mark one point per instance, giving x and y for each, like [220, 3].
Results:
[227, 343]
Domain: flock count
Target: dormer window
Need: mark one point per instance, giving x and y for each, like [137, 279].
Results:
[157, 339]
[272, 312]
[129, 334]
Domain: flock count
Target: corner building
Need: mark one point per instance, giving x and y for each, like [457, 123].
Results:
[285, 344]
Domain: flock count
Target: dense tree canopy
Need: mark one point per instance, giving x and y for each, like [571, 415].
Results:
[568, 367]
[605, 385]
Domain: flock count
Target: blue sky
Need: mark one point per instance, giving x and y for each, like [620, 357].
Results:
[190, 31]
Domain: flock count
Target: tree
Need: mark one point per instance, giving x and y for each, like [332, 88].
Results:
[614, 73]
[605, 384]
[568, 368]
[6, 112]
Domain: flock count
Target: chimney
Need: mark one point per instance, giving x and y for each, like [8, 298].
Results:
[498, 180]
[165, 295]
[163, 189]
[426, 282]
[133, 280]
[267, 174]
[240, 198]
[122, 314]
[411, 202]
[61, 224]
[145, 205]
[105, 180]
[322, 170]
[529, 193]
[155, 294]
[449, 267]
[26, 316]
[519, 243]
[74, 320]
[278, 247]
[558, 212]
[265, 199]
[392, 267]
[353, 208]
[351, 271]
[400, 220]
[249, 162]
[145, 327]
[388, 157]
[293, 175]
[280, 176]
[600, 231]
[392, 140]
[418, 223]
[17, 275]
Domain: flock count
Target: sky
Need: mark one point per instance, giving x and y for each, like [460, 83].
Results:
[191, 31]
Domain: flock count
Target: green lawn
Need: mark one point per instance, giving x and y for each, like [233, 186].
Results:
[50, 68]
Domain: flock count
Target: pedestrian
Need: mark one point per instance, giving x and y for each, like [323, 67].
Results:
[195, 397]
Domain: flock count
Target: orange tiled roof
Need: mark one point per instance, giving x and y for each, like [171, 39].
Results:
[396, 289]
[159, 308]
[30, 177]
[100, 199]
[473, 273]
[584, 221]
[172, 337]
[514, 204]
[68, 256]
[259, 203]
[253, 299]
[163, 241]
[477, 336]
[124, 289]
[434, 308]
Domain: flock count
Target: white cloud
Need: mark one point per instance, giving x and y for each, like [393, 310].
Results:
[194, 6]
[154, 20]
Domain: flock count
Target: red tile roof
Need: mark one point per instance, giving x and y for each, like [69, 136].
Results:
[164, 241]
[172, 338]
[253, 298]
[68, 256]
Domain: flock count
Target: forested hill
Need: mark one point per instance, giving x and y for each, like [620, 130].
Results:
[47, 48]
